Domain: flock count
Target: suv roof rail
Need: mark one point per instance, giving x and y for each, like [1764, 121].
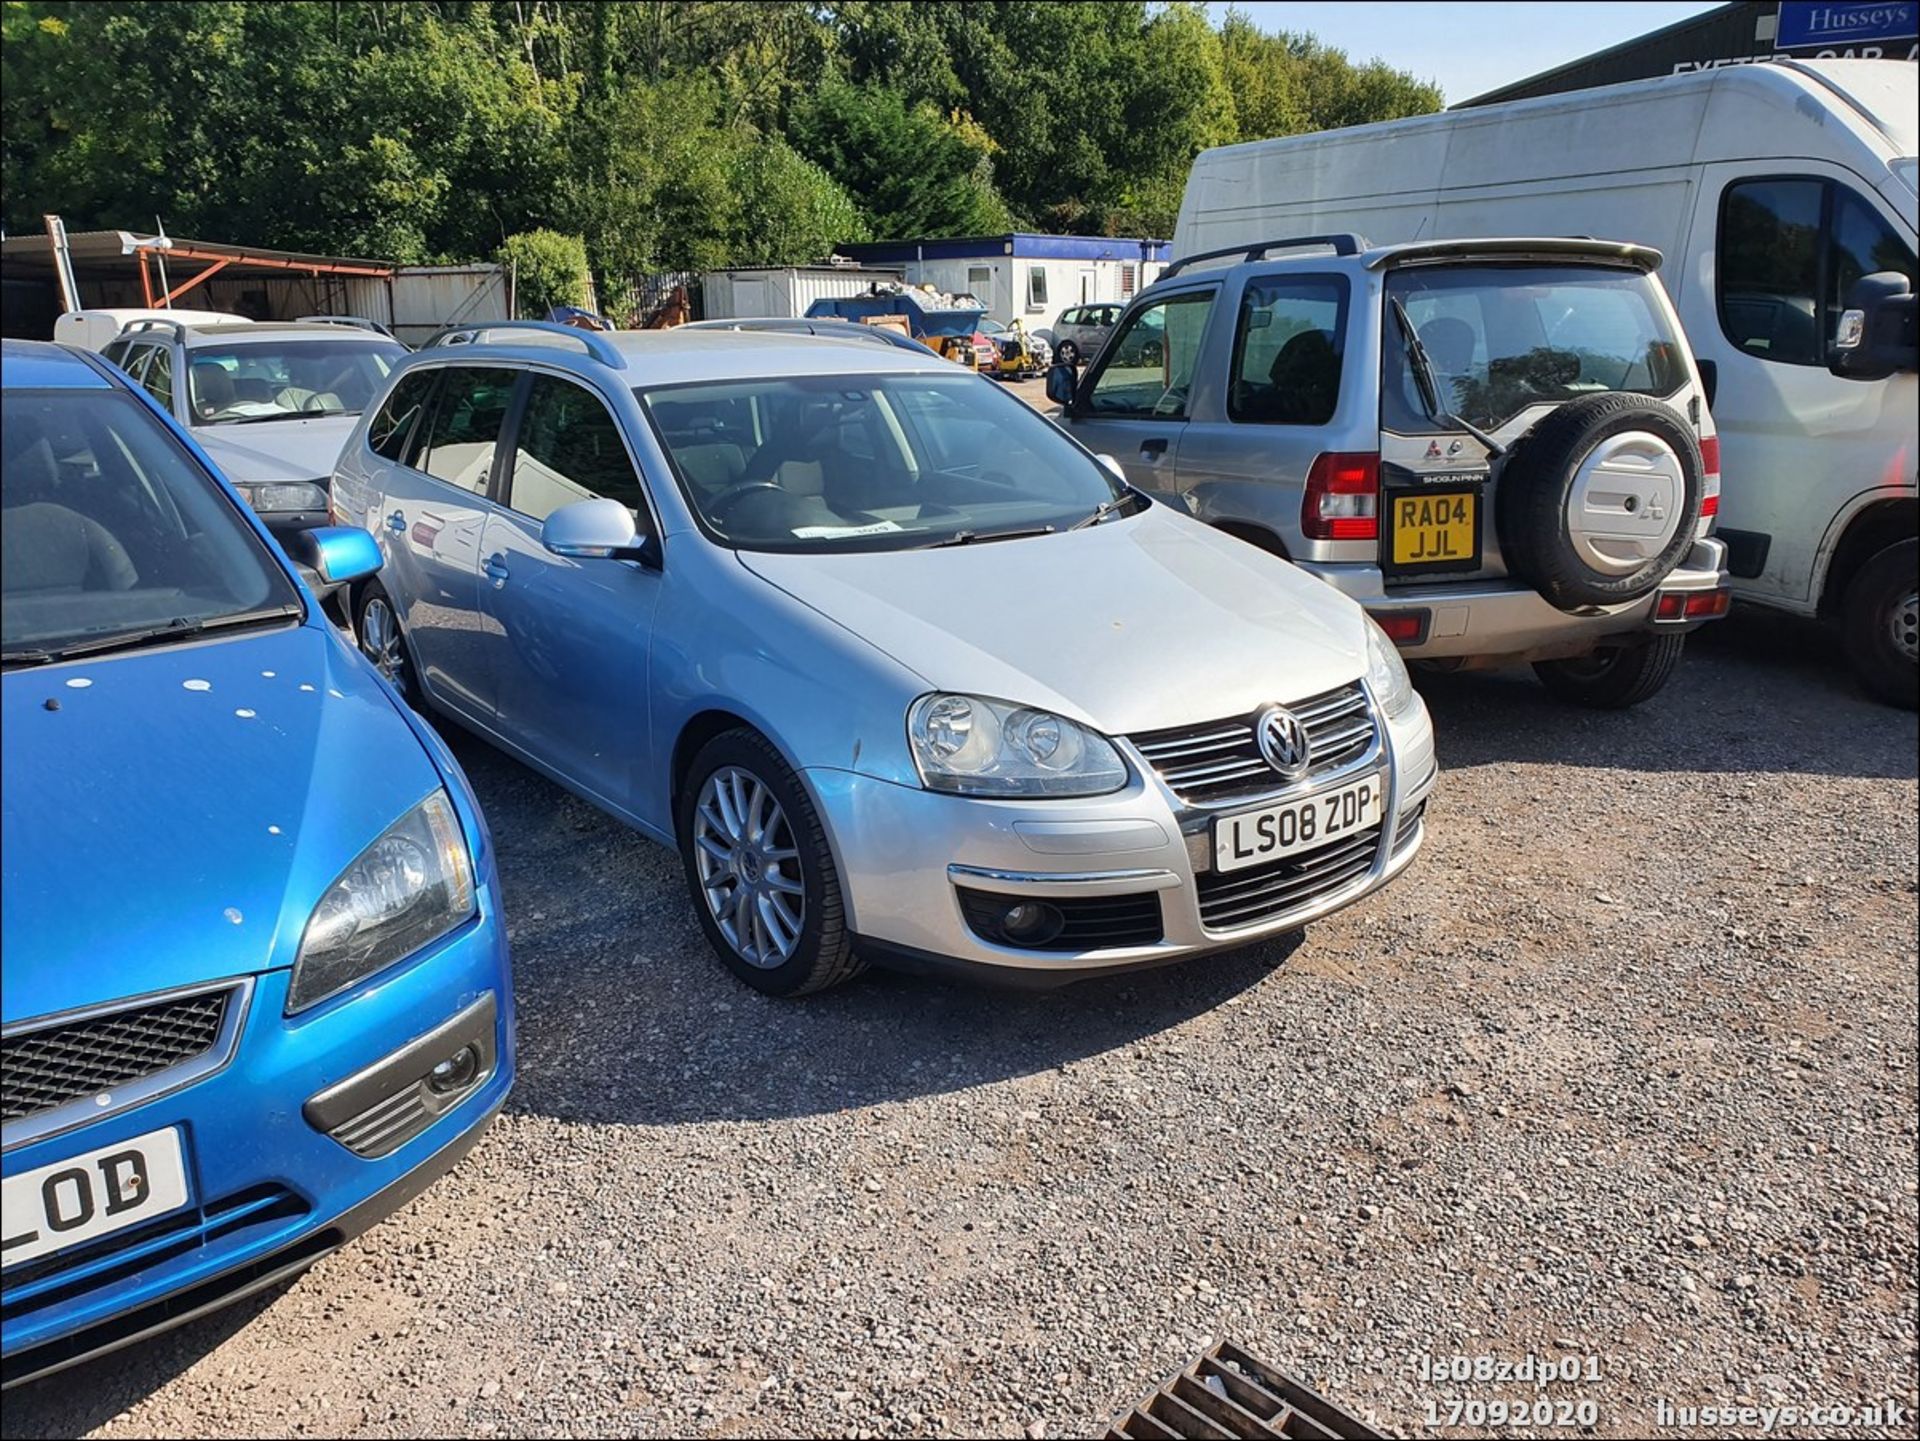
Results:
[594, 342]
[1342, 242]
[360, 320]
[154, 322]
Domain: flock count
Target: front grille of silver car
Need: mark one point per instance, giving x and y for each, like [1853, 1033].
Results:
[1230, 900]
[43, 1069]
[1219, 763]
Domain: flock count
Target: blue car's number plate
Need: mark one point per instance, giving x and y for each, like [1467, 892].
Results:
[88, 1196]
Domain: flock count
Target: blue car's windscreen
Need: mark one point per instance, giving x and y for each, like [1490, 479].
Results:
[873, 462]
[110, 534]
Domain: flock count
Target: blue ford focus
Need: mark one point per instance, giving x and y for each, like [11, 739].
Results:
[256, 991]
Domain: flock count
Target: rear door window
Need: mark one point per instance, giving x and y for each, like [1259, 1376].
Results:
[465, 429]
[1146, 368]
[1287, 350]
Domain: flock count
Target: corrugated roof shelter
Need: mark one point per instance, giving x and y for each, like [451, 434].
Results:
[123, 268]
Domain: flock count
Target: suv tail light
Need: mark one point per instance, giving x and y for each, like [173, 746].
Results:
[1710, 480]
[1343, 497]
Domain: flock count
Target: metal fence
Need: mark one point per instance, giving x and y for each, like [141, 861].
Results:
[629, 300]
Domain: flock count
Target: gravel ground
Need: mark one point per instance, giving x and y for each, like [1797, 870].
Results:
[1624, 1068]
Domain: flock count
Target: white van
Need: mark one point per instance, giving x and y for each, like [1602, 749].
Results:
[1773, 190]
[97, 329]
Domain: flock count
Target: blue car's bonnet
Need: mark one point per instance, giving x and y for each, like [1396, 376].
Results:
[178, 815]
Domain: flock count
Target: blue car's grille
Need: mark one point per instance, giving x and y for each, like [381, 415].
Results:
[47, 1068]
[68, 1275]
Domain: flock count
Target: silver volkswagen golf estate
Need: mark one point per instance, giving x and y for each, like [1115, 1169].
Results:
[903, 672]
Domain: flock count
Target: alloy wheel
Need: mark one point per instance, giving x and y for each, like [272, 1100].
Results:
[749, 867]
[380, 641]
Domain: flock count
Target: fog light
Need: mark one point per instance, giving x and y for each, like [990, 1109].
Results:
[1031, 923]
[455, 1073]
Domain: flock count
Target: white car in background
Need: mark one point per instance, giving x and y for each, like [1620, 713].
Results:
[271, 403]
[97, 329]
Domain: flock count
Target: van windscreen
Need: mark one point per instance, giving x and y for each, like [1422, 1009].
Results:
[1502, 338]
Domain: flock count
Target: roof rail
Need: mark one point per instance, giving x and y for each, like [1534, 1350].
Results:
[154, 322]
[360, 320]
[1342, 242]
[594, 342]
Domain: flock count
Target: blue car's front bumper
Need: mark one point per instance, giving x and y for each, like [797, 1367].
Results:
[269, 1192]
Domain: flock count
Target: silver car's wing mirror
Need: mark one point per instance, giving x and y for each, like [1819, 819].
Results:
[598, 529]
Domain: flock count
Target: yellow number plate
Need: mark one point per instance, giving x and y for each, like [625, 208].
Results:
[1434, 527]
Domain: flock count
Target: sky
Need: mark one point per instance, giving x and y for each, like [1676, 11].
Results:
[1469, 48]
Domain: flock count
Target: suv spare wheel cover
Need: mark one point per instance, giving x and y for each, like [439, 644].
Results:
[1600, 500]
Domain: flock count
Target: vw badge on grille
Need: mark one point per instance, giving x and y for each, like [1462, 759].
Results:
[1283, 741]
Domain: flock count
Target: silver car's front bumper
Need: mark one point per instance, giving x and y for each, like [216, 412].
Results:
[904, 855]
[1503, 618]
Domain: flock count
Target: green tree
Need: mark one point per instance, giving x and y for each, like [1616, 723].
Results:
[548, 269]
[913, 170]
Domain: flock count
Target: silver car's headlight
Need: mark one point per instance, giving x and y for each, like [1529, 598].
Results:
[972, 746]
[411, 886]
[1387, 674]
[277, 497]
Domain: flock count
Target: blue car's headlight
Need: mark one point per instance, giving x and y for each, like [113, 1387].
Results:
[411, 886]
[973, 746]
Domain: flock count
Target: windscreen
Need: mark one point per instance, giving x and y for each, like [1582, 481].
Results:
[283, 380]
[871, 462]
[1501, 338]
[110, 528]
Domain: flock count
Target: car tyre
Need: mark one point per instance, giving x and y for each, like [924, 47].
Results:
[1067, 352]
[376, 629]
[1879, 619]
[1614, 677]
[752, 845]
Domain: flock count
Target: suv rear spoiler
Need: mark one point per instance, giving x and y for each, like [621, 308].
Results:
[1343, 242]
[1540, 247]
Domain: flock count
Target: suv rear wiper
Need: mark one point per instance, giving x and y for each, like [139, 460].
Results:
[178, 628]
[981, 537]
[1429, 384]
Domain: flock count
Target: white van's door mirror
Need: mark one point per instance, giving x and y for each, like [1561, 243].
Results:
[1875, 336]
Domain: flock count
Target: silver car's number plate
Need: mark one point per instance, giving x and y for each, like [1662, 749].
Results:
[85, 1197]
[1253, 838]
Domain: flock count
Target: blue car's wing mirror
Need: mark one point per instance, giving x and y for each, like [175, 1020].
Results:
[337, 554]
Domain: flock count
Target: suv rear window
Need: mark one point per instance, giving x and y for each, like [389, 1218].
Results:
[1502, 338]
[1287, 350]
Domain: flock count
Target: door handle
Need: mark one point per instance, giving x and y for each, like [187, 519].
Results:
[396, 521]
[496, 567]
[1152, 450]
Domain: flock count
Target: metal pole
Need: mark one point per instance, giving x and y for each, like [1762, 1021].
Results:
[63, 262]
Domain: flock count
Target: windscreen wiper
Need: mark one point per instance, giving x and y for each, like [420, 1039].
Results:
[1429, 385]
[1103, 510]
[981, 537]
[28, 655]
[178, 628]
